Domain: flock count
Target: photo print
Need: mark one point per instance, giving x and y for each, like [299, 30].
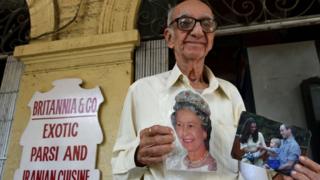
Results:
[269, 144]
[192, 124]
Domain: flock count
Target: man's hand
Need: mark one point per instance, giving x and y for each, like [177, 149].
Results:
[307, 169]
[155, 142]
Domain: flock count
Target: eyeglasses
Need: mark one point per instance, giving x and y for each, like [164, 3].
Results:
[185, 23]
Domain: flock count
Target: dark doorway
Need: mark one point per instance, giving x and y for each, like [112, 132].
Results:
[2, 67]
[228, 60]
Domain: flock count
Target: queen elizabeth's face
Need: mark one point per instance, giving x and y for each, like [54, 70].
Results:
[189, 130]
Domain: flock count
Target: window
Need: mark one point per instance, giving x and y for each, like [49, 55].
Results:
[10, 75]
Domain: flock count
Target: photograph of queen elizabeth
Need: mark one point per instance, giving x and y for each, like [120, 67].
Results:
[191, 121]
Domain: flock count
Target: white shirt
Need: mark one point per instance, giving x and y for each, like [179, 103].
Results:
[150, 102]
[253, 146]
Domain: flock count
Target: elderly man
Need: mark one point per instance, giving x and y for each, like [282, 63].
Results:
[146, 134]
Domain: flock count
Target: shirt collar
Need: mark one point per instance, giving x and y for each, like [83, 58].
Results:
[291, 138]
[176, 75]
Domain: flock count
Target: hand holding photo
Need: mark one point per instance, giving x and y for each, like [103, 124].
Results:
[269, 144]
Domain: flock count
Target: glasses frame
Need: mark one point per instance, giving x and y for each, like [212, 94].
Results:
[195, 22]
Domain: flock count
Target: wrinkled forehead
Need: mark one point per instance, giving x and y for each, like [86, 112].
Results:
[191, 8]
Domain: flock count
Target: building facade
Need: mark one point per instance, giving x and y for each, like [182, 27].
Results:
[108, 43]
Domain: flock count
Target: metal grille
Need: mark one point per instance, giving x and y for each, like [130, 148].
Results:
[8, 94]
[14, 24]
[235, 16]
[151, 58]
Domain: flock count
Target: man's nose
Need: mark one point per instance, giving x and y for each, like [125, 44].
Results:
[197, 30]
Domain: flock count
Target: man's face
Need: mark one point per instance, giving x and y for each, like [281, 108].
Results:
[189, 130]
[285, 133]
[193, 44]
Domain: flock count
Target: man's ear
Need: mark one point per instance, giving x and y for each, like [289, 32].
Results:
[168, 35]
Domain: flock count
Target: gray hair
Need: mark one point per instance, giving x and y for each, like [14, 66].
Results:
[172, 8]
[169, 19]
[205, 119]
